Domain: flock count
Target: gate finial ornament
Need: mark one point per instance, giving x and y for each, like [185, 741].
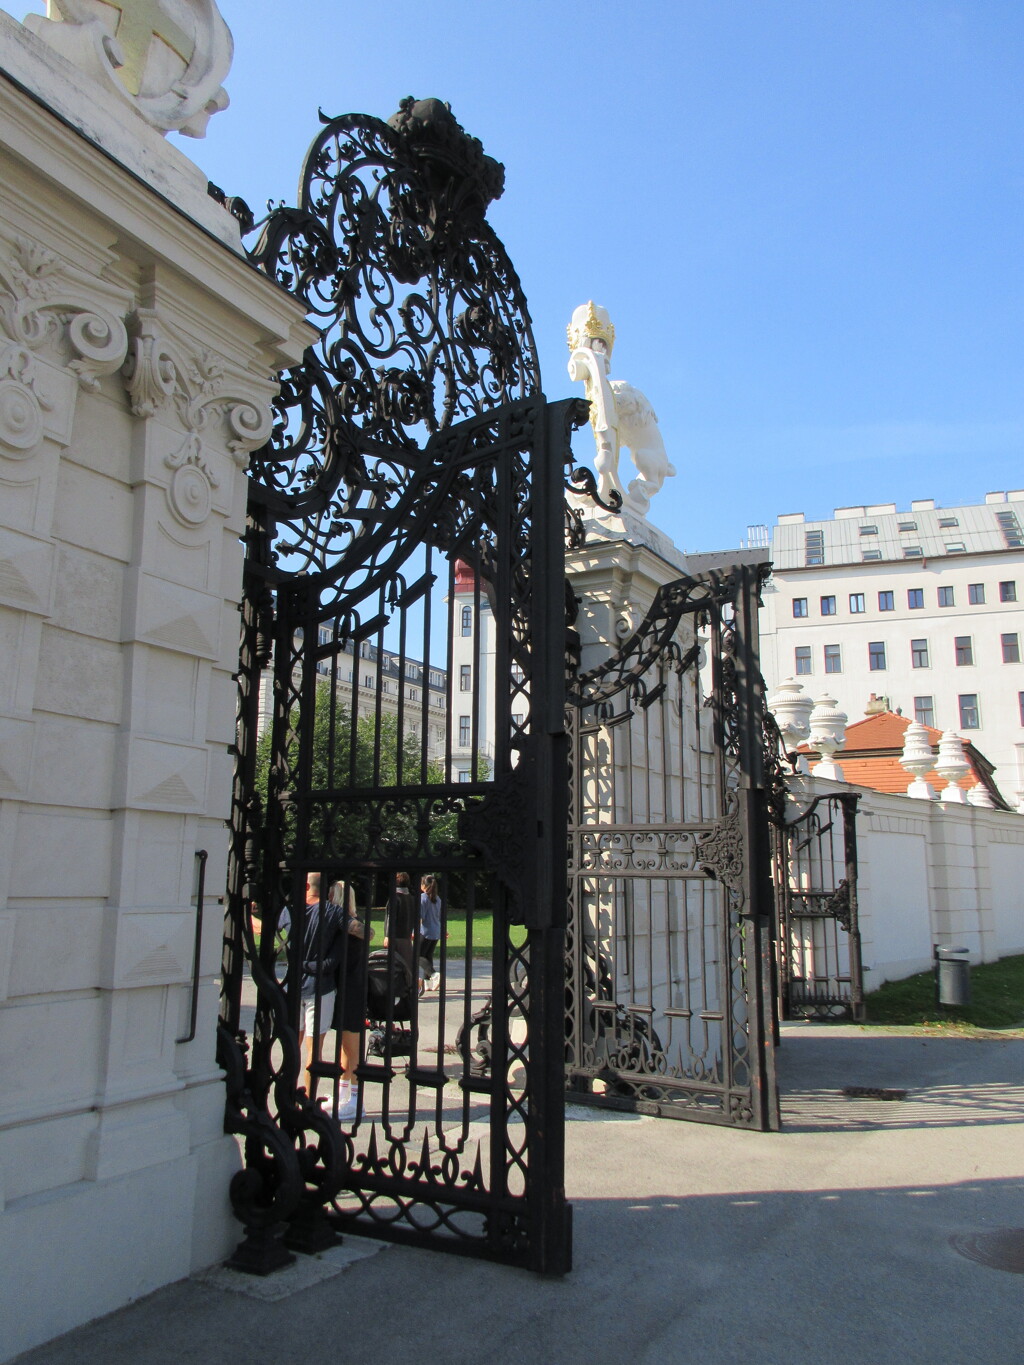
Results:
[621, 416]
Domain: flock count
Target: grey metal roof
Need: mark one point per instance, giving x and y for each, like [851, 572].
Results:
[863, 535]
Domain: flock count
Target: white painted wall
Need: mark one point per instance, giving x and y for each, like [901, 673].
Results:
[929, 873]
[136, 349]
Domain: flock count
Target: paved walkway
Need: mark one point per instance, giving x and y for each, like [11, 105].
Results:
[829, 1242]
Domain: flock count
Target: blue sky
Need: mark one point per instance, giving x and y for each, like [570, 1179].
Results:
[805, 216]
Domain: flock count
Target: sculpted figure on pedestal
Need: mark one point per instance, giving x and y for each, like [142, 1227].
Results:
[167, 58]
[621, 416]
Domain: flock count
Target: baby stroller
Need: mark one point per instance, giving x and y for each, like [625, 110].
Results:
[390, 990]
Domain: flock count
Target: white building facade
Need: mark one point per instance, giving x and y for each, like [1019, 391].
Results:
[362, 671]
[924, 608]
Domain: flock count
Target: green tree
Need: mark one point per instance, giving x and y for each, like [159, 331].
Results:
[359, 781]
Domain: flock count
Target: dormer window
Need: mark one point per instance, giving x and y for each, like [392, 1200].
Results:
[869, 530]
[908, 525]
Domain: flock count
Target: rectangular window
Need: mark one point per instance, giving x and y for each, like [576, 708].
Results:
[886, 601]
[517, 720]
[1008, 592]
[833, 659]
[465, 730]
[814, 547]
[924, 710]
[955, 547]
[876, 656]
[802, 655]
[467, 620]
[828, 606]
[915, 598]
[946, 522]
[871, 554]
[799, 606]
[367, 679]
[1010, 527]
[912, 552]
[908, 525]
[919, 654]
[1011, 648]
[964, 650]
[869, 530]
[517, 673]
[969, 718]
[465, 678]
[465, 775]
[976, 594]
[1020, 703]
[947, 598]
[856, 602]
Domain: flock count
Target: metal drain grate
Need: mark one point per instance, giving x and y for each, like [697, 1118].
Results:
[1002, 1249]
[872, 1092]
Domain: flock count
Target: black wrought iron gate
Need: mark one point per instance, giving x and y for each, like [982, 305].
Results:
[669, 995]
[818, 935]
[404, 596]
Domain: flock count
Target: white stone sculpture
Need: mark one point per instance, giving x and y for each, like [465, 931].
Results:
[918, 759]
[792, 707]
[621, 416]
[167, 58]
[828, 733]
[952, 766]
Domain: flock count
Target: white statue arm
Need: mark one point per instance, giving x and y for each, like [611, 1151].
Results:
[588, 367]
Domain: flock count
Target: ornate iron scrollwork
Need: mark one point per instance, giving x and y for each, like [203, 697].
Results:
[423, 317]
[721, 853]
[411, 433]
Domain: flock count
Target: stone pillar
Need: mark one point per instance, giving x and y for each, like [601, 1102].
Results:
[616, 577]
[137, 349]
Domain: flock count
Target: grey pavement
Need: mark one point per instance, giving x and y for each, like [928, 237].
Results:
[841, 1238]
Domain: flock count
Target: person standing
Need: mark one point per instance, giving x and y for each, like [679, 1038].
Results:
[430, 925]
[400, 922]
[350, 1008]
[322, 949]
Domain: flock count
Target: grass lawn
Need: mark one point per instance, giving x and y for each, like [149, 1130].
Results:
[997, 1000]
[458, 932]
[483, 934]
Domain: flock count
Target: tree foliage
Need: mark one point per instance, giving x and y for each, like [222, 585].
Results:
[356, 774]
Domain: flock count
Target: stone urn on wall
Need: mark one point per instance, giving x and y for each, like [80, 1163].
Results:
[828, 733]
[792, 707]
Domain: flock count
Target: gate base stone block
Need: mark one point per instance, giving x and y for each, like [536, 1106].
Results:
[101, 1244]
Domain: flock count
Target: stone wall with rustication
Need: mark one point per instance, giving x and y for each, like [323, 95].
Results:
[137, 349]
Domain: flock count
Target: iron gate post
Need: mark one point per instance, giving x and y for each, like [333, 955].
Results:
[757, 871]
[849, 802]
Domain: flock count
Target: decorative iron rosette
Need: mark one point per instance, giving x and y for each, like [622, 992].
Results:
[422, 316]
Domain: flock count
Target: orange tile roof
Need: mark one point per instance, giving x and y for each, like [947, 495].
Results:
[871, 758]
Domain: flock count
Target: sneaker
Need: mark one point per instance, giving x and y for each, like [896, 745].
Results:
[345, 1109]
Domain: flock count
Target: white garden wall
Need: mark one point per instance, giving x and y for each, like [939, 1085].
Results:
[933, 873]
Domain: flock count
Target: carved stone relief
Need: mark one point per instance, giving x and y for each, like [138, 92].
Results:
[53, 318]
[167, 63]
[160, 375]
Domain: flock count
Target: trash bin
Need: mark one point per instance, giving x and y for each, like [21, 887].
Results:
[952, 976]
